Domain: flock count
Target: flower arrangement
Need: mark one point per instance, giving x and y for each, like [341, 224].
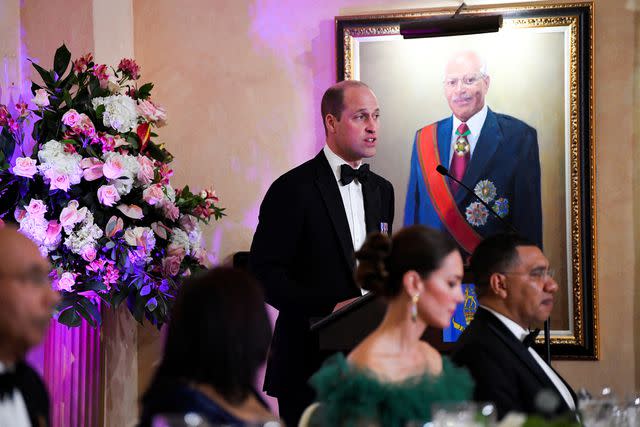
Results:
[94, 193]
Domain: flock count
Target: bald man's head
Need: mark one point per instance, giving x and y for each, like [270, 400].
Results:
[466, 84]
[26, 296]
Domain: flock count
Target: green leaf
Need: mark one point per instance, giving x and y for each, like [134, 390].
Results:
[82, 311]
[47, 76]
[93, 311]
[120, 296]
[67, 98]
[61, 60]
[95, 286]
[70, 318]
[145, 91]
[100, 111]
[35, 87]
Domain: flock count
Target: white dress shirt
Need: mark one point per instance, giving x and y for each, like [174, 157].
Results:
[352, 200]
[13, 410]
[521, 333]
[474, 124]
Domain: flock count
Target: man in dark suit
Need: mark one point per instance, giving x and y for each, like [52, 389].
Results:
[27, 300]
[493, 154]
[515, 287]
[311, 221]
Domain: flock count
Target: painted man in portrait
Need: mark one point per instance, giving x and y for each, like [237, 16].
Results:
[494, 154]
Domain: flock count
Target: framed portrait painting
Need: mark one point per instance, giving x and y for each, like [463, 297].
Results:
[533, 162]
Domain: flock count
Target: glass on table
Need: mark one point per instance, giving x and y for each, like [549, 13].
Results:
[463, 414]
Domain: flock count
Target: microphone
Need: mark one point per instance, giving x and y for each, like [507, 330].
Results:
[444, 171]
[547, 323]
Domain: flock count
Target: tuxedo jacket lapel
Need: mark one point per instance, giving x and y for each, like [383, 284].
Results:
[372, 205]
[328, 188]
[521, 352]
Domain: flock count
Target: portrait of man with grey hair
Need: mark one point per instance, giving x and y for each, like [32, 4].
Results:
[493, 154]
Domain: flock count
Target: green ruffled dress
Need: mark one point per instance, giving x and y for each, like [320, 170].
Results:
[348, 394]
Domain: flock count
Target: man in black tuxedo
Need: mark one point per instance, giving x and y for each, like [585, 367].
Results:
[311, 221]
[27, 301]
[515, 289]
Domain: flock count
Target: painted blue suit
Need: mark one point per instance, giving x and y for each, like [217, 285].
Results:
[506, 154]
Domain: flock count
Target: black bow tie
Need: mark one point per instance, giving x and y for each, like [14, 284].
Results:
[348, 174]
[531, 338]
[8, 383]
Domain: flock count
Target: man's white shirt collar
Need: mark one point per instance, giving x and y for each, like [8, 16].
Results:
[517, 330]
[520, 333]
[475, 122]
[335, 161]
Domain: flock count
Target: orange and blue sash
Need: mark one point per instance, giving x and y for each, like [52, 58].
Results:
[439, 192]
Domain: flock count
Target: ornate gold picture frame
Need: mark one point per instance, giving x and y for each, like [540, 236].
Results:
[541, 69]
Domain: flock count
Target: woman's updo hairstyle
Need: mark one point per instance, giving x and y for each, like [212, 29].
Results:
[383, 261]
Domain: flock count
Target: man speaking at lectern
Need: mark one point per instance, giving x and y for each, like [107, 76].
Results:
[311, 221]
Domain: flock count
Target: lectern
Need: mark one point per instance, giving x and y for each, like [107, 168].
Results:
[344, 329]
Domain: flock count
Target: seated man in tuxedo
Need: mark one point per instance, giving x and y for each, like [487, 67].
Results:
[515, 288]
[27, 300]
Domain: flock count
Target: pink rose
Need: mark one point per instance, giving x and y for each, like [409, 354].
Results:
[171, 265]
[36, 208]
[25, 166]
[92, 168]
[113, 168]
[57, 180]
[66, 282]
[146, 173]
[108, 195]
[53, 232]
[70, 215]
[176, 250]
[88, 253]
[42, 98]
[71, 118]
[153, 195]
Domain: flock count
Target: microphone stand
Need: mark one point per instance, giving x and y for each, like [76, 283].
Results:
[547, 328]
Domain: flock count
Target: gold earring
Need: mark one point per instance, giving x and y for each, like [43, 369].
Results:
[414, 307]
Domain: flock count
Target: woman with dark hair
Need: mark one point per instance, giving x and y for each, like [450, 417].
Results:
[392, 376]
[217, 338]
